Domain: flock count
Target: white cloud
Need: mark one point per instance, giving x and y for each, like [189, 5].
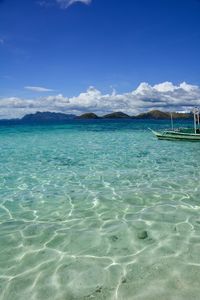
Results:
[165, 87]
[67, 3]
[37, 89]
[1, 41]
[62, 3]
[164, 96]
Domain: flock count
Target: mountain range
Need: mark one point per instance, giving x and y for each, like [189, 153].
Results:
[53, 117]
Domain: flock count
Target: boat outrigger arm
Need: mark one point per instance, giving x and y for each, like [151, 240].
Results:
[192, 134]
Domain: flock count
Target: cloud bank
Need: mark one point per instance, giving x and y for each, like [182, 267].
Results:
[164, 96]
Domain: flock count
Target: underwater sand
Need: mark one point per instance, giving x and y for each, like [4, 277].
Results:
[93, 210]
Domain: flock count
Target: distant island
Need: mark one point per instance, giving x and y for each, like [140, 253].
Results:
[53, 117]
[88, 116]
[47, 116]
[160, 115]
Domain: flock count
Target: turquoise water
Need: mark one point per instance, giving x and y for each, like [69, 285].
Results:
[98, 210]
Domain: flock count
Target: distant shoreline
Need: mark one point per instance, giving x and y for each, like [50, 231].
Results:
[56, 118]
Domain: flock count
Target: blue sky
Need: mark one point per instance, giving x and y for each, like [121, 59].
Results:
[54, 48]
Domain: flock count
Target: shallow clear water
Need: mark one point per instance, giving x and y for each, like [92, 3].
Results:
[98, 210]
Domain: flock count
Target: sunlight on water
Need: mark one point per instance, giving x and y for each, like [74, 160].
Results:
[98, 211]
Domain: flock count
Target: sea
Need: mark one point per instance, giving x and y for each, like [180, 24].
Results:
[98, 210]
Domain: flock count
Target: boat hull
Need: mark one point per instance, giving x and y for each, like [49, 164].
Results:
[177, 136]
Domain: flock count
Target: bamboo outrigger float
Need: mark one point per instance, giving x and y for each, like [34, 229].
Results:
[192, 134]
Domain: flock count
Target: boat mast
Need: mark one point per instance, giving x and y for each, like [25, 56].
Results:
[195, 121]
[172, 123]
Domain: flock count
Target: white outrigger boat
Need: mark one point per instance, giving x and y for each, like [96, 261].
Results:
[182, 134]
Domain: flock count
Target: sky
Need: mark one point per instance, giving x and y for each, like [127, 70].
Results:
[98, 56]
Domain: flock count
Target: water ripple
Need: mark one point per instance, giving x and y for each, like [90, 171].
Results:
[98, 214]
